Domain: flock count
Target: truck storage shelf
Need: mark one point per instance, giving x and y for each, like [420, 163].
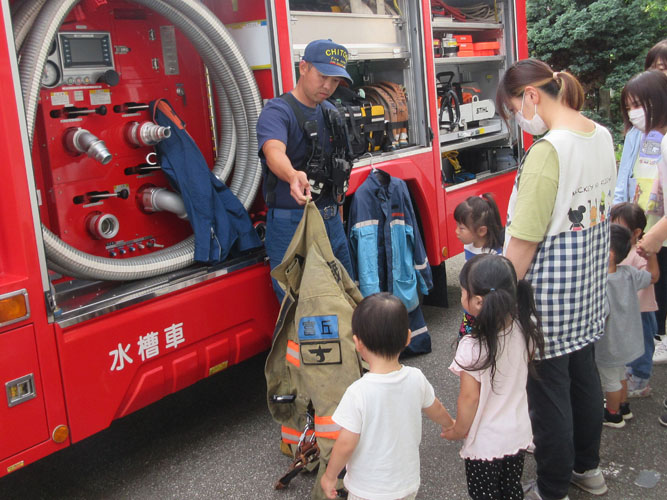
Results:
[474, 141]
[449, 24]
[377, 158]
[363, 52]
[480, 178]
[446, 61]
[365, 36]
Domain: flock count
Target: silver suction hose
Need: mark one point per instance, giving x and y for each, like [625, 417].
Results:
[156, 199]
[239, 105]
[23, 18]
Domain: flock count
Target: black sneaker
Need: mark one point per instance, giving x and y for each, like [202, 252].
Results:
[663, 419]
[614, 420]
[625, 411]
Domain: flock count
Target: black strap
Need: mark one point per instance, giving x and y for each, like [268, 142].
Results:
[271, 178]
[296, 108]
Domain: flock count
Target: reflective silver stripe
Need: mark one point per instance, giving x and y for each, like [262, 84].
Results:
[422, 266]
[327, 427]
[397, 221]
[419, 331]
[293, 352]
[290, 437]
[371, 222]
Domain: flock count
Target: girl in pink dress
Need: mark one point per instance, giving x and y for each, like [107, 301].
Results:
[492, 363]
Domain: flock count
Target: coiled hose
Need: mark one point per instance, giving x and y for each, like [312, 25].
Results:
[239, 103]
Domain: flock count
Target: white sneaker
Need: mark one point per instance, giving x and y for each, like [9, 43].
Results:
[660, 354]
[530, 491]
[591, 481]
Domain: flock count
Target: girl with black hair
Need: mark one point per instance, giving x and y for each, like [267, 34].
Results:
[631, 216]
[479, 228]
[493, 363]
[478, 225]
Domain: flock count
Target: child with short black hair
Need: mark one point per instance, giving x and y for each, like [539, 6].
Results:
[478, 225]
[622, 341]
[631, 216]
[492, 363]
[380, 414]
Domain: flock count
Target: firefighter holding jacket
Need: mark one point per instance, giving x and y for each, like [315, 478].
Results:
[313, 359]
[291, 156]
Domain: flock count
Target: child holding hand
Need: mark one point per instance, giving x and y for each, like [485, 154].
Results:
[622, 341]
[380, 414]
[632, 217]
[492, 363]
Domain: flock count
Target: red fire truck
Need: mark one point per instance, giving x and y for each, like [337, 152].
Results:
[102, 307]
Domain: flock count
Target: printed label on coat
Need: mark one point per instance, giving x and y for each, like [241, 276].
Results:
[320, 353]
[318, 328]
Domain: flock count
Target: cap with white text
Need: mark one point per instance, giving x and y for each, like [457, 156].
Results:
[329, 58]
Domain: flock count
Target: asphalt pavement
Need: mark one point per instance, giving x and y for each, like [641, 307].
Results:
[216, 439]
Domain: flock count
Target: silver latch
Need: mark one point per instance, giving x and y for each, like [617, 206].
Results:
[20, 390]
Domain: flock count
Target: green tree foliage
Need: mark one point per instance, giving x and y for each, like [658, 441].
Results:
[603, 43]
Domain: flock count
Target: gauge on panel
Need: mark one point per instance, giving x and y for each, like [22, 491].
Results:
[52, 49]
[50, 75]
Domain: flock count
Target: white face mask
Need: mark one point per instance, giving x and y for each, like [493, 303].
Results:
[535, 125]
[637, 118]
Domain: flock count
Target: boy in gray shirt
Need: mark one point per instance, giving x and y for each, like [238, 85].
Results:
[622, 341]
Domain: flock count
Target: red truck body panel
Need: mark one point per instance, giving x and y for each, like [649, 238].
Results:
[85, 374]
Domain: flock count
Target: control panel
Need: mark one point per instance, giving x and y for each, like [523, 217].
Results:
[79, 57]
[94, 147]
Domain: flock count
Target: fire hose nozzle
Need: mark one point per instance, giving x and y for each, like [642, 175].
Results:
[146, 133]
[80, 140]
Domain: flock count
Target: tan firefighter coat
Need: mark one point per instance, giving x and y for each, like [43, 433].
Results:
[313, 355]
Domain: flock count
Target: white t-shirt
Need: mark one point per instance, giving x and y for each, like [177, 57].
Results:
[385, 410]
[501, 425]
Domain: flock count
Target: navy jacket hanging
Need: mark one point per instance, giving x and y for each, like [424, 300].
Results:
[220, 222]
[387, 250]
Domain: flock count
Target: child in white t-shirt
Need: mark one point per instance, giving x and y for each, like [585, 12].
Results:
[492, 363]
[380, 414]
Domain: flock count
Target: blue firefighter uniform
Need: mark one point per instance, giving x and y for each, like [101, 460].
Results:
[387, 250]
[220, 222]
[278, 122]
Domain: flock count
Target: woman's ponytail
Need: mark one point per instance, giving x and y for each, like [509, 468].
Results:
[559, 85]
[571, 92]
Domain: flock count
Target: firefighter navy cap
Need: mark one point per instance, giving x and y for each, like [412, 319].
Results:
[328, 57]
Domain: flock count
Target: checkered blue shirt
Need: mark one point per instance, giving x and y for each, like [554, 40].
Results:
[569, 277]
[569, 270]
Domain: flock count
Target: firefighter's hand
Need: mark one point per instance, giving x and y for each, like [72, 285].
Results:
[300, 187]
[329, 485]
